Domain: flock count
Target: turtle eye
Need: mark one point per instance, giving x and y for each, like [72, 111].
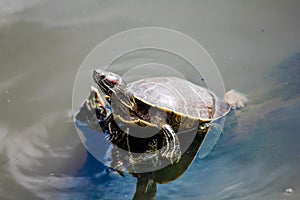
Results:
[102, 76]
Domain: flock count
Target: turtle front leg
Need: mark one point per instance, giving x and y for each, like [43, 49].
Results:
[98, 103]
[172, 151]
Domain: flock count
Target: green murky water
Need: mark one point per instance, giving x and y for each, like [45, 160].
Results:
[254, 44]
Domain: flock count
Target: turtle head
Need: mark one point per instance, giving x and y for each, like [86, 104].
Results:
[108, 82]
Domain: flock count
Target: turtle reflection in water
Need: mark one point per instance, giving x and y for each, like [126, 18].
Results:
[165, 103]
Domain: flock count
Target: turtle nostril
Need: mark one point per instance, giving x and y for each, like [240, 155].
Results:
[97, 71]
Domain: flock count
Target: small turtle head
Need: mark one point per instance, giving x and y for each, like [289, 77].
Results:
[108, 82]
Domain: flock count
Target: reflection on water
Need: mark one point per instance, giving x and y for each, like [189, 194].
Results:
[42, 46]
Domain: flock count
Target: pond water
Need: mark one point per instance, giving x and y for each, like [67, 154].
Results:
[254, 44]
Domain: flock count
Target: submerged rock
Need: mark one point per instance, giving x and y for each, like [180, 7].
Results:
[236, 99]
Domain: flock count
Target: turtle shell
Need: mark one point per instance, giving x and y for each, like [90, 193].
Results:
[179, 96]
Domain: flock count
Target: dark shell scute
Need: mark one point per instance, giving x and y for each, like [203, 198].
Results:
[178, 95]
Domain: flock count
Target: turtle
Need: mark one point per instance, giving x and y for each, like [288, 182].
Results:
[95, 112]
[169, 103]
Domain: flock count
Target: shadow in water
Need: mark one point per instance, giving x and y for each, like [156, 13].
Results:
[146, 184]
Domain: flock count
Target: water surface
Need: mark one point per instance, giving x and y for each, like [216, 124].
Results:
[254, 44]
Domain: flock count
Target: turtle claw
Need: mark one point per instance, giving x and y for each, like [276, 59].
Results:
[172, 149]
